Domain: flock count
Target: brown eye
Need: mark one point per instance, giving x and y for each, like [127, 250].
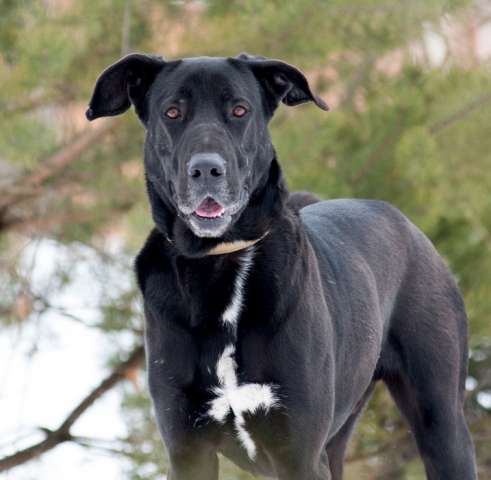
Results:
[172, 113]
[239, 111]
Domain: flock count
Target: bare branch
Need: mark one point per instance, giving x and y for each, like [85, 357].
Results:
[434, 129]
[102, 446]
[359, 76]
[29, 184]
[470, 107]
[126, 28]
[62, 433]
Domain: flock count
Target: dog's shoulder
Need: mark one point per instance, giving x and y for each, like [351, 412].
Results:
[152, 258]
[352, 213]
[364, 227]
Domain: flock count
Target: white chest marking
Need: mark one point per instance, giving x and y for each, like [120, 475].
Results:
[230, 396]
[232, 312]
[238, 399]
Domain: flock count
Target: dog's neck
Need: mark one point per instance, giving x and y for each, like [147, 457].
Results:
[235, 246]
[265, 206]
[230, 247]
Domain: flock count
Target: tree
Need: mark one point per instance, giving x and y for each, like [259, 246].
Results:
[403, 128]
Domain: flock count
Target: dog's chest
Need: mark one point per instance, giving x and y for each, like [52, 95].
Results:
[233, 399]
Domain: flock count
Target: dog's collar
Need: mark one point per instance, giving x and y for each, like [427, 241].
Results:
[229, 247]
[235, 246]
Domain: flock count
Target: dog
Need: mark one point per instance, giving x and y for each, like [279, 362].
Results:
[269, 317]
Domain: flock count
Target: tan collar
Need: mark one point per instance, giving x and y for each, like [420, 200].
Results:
[235, 246]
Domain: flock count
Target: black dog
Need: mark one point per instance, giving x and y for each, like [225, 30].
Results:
[267, 327]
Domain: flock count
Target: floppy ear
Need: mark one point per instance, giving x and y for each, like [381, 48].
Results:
[124, 83]
[282, 82]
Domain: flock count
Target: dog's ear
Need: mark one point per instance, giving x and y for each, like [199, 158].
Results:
[282, 82]
[124, 83]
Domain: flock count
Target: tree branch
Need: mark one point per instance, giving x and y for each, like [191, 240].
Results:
[360, 74]
[126, 29]
[434, 129]
[25, 186]
[62, 433]
[470, 107]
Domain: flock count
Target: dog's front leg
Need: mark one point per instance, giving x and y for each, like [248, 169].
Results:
[192, 454]
[299, 454]
[191, 450]
[193, 463]
[302, 467]
[171, 367]
[297, 450]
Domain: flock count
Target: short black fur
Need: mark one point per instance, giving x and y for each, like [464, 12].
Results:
[334, 295]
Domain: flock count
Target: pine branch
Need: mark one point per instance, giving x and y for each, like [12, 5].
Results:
[62, 433]
[126, 29]
[29, 185]
[467, 109]
[434, 129]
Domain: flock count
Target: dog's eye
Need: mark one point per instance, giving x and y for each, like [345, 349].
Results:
[172, 113]
[239, 111]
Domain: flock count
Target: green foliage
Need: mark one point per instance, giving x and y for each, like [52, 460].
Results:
[38, 140]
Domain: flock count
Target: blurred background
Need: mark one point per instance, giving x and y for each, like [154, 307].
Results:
[410, 90]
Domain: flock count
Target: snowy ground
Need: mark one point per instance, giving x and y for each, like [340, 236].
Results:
[51, 362]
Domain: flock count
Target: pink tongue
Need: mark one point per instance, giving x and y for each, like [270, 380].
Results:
[209, 208]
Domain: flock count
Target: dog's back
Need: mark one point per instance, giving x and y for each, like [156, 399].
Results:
[299, 200]
[376, 264]
[373, 242]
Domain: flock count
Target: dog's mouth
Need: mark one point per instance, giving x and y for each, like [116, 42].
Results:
[209, 208]
[210, 218]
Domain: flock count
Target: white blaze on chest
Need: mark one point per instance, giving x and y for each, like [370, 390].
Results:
[238, 399]
[231, 397]
[232, 312]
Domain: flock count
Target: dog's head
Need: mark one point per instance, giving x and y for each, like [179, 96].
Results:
[207, 148]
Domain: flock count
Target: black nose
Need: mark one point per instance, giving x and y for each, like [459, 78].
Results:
[206, 166]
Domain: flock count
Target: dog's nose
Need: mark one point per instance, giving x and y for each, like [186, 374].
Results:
[206, 166]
